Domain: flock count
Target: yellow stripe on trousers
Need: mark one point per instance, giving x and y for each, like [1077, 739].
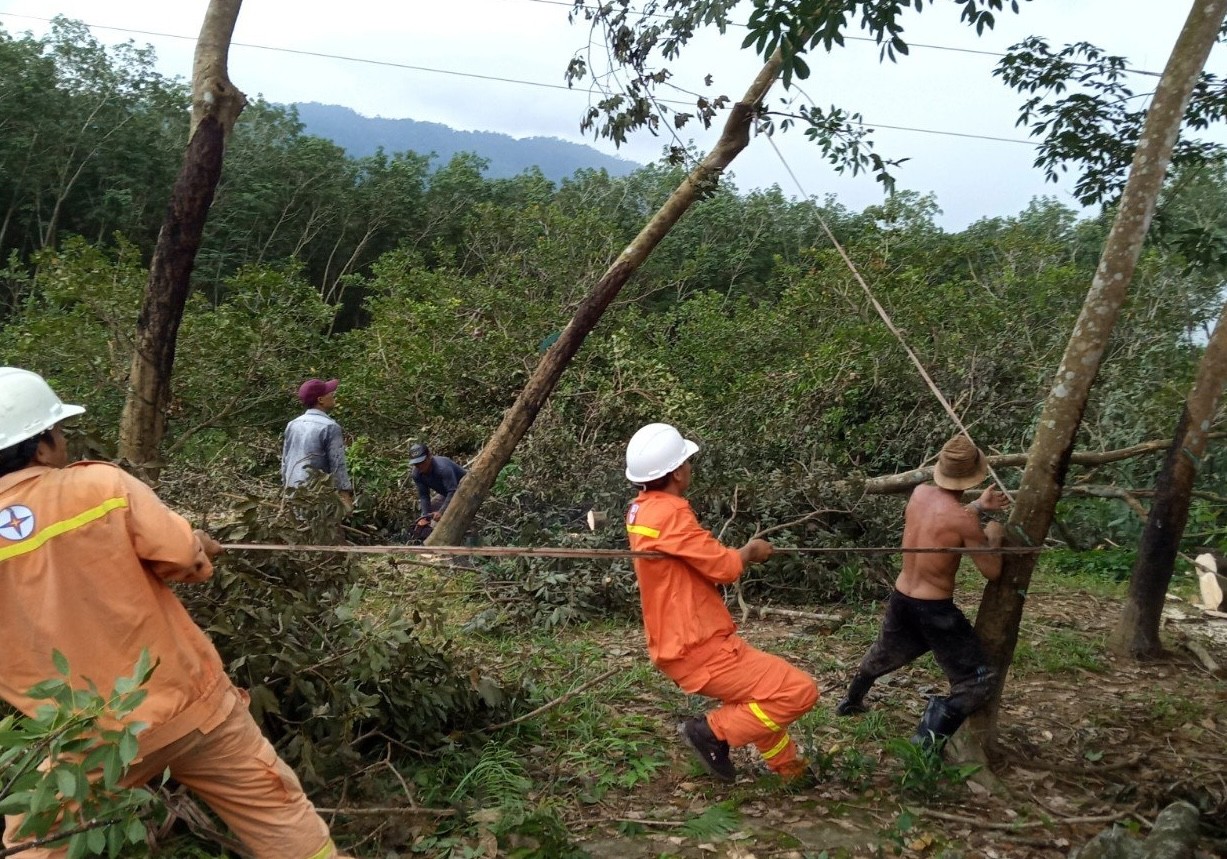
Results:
[326, 852]
[55, 529]
[762, 716]
[777, 748]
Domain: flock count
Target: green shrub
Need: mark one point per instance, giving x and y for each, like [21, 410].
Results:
[62, 768]
[330, 667]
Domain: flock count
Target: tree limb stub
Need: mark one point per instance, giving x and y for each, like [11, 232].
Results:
[905, 481]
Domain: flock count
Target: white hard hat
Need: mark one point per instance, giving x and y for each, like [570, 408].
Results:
[654, 451]
[28, 406]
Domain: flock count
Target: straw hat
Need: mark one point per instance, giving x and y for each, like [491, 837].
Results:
[960, 465]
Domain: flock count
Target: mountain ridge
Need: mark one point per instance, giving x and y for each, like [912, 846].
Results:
[508, 156]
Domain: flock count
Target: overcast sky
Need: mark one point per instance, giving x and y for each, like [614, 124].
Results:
[530, 42]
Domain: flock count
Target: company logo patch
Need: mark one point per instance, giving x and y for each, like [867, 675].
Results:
[630, 514]
[16, 522]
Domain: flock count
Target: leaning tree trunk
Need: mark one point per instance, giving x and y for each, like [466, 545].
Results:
[1137, 631]
[216, 104]
[497, 451]
[1048, 458]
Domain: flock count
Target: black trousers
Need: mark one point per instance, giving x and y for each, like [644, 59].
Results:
[911, 628]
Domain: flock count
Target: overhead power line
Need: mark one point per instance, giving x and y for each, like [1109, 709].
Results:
[474, 75]
[846, 38]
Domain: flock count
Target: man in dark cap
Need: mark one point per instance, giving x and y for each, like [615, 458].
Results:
[313, 441]
[432, 472]
[921, 614]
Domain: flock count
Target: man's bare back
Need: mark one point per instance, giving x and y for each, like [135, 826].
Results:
[937, 518]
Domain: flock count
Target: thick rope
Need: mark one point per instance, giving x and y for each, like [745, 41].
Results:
[554, 552]
[924, 374]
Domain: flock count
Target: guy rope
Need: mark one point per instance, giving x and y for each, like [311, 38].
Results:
[924, 374]
[560, 552]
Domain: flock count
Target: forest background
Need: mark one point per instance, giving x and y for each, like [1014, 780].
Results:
[431, 294]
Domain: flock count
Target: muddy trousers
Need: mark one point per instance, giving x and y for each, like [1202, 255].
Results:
[236, 771]
[911, 628]
[760, 694]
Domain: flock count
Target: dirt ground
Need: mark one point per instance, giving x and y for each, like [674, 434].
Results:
[1086, 740]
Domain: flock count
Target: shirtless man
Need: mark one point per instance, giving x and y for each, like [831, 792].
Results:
[921, 614]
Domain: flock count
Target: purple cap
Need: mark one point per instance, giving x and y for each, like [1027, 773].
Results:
[312, 389]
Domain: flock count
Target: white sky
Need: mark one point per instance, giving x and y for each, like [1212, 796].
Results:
[531, 40]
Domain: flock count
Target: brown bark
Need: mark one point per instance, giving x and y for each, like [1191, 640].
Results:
[1137, 630]
[516, 422]
[216, 105]
[1001, 607]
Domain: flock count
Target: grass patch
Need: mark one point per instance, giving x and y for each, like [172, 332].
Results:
[1058, 651]
[1103, 572]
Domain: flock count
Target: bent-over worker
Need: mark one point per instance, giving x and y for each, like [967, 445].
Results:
[921, 614]
[691, 636]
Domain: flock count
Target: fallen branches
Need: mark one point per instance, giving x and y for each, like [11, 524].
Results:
[1018, 824]
[552, 704]
[390, 809]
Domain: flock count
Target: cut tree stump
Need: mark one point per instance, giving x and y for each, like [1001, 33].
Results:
[1212, 585]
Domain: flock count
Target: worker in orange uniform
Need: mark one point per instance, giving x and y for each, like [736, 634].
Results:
[86, 555]
[691, 635]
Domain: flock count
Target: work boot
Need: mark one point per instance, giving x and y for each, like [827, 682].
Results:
[848, 707]
[937, 725]
[712, 753]
[853, 703]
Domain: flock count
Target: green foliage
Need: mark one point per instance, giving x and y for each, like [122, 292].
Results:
[329, 667]
[719, 821]
[923, 773]
[1097, 121]
[63, 767]
[1095, 568]
[611, 751]
[641, 38]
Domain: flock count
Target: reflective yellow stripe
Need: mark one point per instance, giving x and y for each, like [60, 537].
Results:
[777, 748]
[58, 528]
[642, 529]
[326, 852]
[763, 717]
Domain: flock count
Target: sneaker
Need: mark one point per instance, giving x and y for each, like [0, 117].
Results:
[712, 753]
[848, 707]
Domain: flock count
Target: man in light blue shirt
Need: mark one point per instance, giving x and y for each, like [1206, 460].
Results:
[313, 441]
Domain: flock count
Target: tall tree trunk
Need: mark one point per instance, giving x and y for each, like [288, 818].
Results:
[216, 104]
[1137, 630]
[1048, 458]
[516, 422]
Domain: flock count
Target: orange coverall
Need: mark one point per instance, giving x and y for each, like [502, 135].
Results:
[86, 552]
[692, 638]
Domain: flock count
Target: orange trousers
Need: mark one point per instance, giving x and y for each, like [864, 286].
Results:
[760, 694]
[238, 773]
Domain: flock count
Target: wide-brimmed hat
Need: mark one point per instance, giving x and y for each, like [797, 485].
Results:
[312, 389]
[960, 465]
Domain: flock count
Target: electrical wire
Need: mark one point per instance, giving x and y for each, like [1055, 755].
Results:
[492, 78]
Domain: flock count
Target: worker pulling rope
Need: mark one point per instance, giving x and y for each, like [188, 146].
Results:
[557, 552]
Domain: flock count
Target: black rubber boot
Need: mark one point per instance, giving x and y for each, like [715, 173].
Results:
[712, 753]
[937, 725]
[853, 703]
